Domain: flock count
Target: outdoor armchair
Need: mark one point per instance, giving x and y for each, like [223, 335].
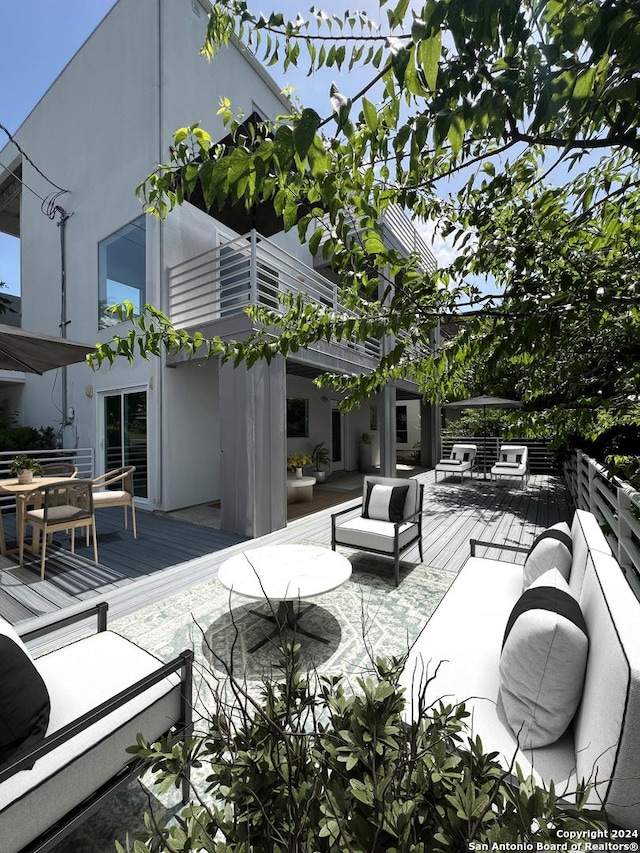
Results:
[64, 469]
[66, 505]
[512, 462]
[105, 495]
[462, 459]
[390, 521]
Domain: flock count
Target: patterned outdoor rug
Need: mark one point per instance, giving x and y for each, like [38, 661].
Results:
[368, 616]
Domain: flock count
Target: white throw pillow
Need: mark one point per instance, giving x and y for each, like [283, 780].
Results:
[543, 661]
[552, 549]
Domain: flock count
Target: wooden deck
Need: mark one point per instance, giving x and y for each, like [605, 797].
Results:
[170, 555]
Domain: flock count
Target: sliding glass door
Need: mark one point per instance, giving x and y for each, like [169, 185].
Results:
[125, 435]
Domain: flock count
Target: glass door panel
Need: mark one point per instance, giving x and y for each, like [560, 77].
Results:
[125, 419]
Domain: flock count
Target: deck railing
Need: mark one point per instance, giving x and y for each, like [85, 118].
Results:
[616, 505]
[247, 270]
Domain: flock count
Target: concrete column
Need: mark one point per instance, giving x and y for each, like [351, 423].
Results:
[253, 447]
[387, 430]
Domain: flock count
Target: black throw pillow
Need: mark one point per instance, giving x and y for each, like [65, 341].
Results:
[24, 700]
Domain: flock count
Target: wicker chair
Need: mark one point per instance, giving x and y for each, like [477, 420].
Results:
[105, 495]
[66, 505]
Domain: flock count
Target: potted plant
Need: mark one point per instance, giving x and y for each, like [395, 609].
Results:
[320, 458]
[297, 461]
[24, 467]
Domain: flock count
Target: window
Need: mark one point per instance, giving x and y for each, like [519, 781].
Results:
[297, 418]
[401, 425]
[121, 271]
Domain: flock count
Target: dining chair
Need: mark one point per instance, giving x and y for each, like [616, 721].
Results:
[105, 495]
[64, 469]
[66, 505]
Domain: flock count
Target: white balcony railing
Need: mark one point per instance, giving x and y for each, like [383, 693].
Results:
[248, 270]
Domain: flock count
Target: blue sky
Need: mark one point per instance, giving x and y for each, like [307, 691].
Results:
[39, 37]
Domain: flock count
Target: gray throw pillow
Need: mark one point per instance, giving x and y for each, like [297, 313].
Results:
[543, 661]
[552, 549]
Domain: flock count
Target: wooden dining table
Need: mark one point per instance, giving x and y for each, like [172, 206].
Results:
[25, 493]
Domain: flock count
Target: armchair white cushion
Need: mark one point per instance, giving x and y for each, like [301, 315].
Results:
[376, 534]
[461, 460]
[512, 462]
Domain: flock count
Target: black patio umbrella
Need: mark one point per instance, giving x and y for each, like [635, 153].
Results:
[485, 402]
[33, 352]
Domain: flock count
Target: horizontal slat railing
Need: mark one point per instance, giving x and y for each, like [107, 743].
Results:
[247, 270]
[615, 504]
[81, 457]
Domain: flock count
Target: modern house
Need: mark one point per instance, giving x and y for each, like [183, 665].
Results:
[197, 431]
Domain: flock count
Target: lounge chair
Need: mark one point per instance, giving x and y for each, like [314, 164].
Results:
[512, 462]
[462, 459]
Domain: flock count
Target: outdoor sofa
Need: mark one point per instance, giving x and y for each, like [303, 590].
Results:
[103, 690]
[463, 641]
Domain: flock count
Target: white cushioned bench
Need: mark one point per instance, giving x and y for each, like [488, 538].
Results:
[103, 691]
[464, 637]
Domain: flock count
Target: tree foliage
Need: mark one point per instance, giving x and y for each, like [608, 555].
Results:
[511, 126]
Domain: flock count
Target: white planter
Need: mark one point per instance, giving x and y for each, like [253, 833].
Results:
[25, 477]
[319, 475]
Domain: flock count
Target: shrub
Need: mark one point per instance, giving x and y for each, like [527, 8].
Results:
[27, 438]
[313, 766]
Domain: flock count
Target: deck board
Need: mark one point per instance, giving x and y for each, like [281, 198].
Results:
[169, 555]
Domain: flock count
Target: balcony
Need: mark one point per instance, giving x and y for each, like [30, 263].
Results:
[247, 270]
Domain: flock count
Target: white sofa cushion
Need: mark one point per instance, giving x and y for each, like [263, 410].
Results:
[464, 637]
[543, 661]
[31, 801]
[607, 725]
[370, 533]
[384, 503]
[24, 700]
[552, 549]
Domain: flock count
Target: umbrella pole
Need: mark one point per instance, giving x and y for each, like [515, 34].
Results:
[484, 442]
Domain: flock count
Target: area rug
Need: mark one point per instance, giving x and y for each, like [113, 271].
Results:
[366, 617]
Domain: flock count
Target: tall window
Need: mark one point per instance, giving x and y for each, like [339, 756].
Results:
[121, 270]
[401, 425]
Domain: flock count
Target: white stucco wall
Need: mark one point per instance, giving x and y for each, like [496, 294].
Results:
[100, 129]
[191, 447]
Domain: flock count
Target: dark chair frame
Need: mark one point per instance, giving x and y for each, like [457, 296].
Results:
[183, 664]
[397, 551]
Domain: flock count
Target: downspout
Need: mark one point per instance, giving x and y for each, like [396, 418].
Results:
[64, 322]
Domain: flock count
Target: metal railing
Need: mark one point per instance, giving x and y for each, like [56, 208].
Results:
[615, 504]
[247, 270]
[81, 457]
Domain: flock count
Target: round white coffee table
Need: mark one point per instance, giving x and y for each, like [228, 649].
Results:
[300, 489]
[286, 574]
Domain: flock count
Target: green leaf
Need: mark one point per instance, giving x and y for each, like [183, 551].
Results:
[429, 52]
[304, 131]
